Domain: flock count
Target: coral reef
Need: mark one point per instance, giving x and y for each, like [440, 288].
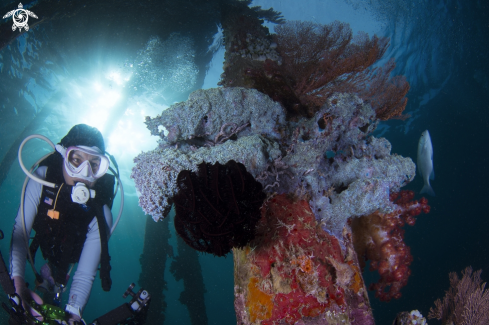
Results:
[327, 165]
[200, 119]
[310, 149]
[465, 303]
[242, 8]
[360, 173]
[297, 111]
[295, 271]
[217, 207]
[195, 123]
[379, 237]
[329, 159]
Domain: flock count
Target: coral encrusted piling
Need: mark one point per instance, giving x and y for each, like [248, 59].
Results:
[294, 271]
[317, 173]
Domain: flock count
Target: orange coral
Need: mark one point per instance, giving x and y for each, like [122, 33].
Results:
[260, 304]
[304, 263]
[357, 281]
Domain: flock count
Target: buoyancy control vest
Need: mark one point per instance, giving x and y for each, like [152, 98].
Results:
[61, 240]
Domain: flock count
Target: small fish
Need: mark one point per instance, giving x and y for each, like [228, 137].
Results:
[425, 162]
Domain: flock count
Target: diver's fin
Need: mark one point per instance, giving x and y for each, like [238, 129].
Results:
[428, 190]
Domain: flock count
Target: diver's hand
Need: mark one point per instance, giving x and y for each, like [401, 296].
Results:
[74, 319]
[27, 295]
[21, 290]
[24, 293]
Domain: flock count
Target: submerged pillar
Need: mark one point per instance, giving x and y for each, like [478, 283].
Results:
[294, 272]
[186, 266]
[153, 262]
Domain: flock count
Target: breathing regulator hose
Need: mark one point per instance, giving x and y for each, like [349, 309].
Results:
[53, 185]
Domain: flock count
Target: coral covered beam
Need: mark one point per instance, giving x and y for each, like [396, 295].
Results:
[294, 271]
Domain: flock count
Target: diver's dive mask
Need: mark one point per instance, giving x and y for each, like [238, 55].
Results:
[87, 163]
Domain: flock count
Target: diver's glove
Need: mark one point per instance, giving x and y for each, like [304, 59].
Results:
[26, 295]
[74, 316]
[76, 320]
[22, 290]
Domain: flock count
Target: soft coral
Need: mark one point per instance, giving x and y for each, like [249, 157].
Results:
[379, 237]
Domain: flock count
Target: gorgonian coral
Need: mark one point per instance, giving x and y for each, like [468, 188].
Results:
[319, 60]
[218, 207]
[465, 302]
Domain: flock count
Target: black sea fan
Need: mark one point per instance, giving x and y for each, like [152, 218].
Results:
[218, 207]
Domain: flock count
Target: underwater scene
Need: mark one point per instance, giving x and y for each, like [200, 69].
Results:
[244, 162]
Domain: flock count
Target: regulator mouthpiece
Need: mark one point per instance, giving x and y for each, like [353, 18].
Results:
[80, 193]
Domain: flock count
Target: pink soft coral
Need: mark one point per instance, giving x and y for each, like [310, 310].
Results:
[379, 237]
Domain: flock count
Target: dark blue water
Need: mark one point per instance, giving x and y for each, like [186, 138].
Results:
[50, 75]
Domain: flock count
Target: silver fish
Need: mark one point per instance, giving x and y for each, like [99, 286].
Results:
[425, 162]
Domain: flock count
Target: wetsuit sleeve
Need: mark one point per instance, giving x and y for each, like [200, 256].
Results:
[18, 250]
[88, 265]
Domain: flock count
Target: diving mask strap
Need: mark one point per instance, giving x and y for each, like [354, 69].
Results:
[62, 150]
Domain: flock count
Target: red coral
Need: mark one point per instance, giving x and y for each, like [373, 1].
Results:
[290, 245]
[379, 238]
[318, 60]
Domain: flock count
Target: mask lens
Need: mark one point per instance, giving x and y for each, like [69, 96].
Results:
[86, 162]
[95, 165]
[75, 158]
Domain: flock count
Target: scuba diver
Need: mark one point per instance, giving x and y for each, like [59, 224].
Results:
[72, 221]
